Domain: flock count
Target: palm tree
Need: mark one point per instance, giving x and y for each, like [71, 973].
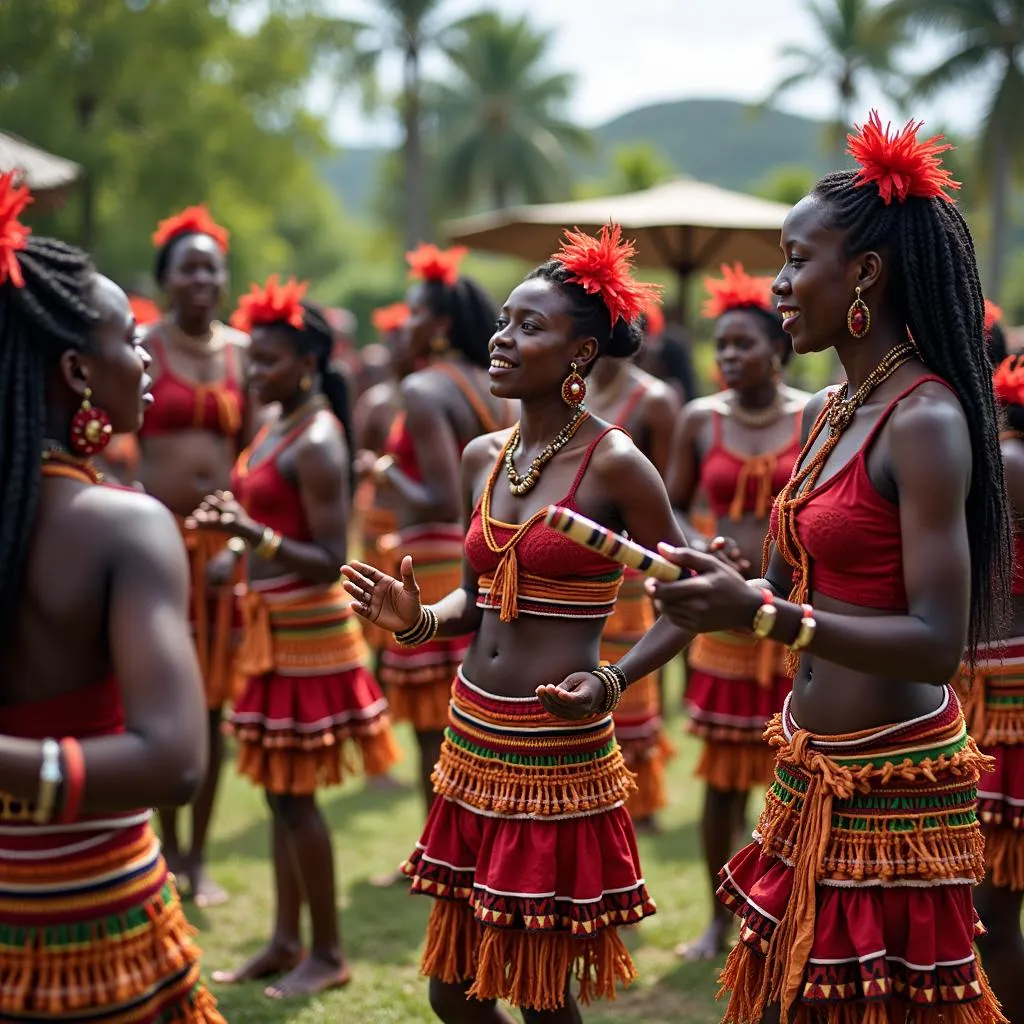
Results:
[501, 133]
[410, 27]
[987, 38]
[855, 40]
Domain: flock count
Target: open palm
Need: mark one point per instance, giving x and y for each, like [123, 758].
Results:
[389, 603]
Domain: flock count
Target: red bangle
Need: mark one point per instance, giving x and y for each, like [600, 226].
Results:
[74, 778]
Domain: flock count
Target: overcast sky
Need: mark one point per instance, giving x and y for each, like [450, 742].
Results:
[627, 53]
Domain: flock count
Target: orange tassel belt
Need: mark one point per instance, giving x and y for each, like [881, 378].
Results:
[994, 698]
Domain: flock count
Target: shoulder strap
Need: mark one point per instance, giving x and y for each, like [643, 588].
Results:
[472, 396]
[586, 460]
[716, 428]
[633, 399]
[888, 411]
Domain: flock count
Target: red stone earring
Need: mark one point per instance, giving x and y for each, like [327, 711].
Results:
[574, 388]
[90, 428]
[858, 317]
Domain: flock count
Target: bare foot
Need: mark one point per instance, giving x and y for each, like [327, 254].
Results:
[205, 891]
[272, 959]
[708, 946]
[313, 975]
[386, 881]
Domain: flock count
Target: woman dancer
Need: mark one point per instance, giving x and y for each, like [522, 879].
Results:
[189, 444]
[647, 409]
[529, 852]
[737, 448]
[890, 556]
[308, 694]
[994, 707]
[107, 721]
[445, 406]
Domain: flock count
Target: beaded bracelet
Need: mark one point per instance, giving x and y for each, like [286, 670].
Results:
[611, 676]
[268, 544]
[422, 632]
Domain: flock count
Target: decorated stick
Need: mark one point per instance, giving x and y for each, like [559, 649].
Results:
[589, 534]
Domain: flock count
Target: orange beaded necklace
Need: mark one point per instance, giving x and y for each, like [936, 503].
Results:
[61, 463]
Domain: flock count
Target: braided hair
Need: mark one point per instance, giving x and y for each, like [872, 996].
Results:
[51, 313]
[471, 312]
[934, 282]
[590, 316]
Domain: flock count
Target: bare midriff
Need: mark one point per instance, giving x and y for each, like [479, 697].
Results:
[182, 468]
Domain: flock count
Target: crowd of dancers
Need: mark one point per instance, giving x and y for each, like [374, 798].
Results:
[851, 588]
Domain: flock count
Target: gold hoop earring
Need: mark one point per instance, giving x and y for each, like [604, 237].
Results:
[858, 317]
[305, 384]
[574, 388]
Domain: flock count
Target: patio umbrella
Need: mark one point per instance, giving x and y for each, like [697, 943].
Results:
[42, 171]
[683, 225]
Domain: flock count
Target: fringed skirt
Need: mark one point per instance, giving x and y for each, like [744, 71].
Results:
[91, 929]
[376, 525]
[735, 683]
[309, 702]
[855, 897]
[638, 722]
[994, 706]
[529, 854]
[213, 616]
[418, 679]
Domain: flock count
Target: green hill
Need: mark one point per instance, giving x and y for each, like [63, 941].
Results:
[719, 141]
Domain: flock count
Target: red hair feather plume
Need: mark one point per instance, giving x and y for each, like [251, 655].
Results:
[389, 318]
[1008, 381]
[736, 289]
[429, 263]
[194, 220]
[275, 303]
[13, 234]
[993, 314]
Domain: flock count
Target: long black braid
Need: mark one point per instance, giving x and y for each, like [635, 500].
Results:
[934, 277]
[50, 314]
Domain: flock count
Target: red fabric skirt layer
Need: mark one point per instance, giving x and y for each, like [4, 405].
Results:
[418, 679]
[734, 685]
[855, 897]
[529, 854]
[638, 722]
[309, 700]
[994, 707]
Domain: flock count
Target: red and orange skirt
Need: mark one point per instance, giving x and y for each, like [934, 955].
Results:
[638, 723]
[418, 679]
[309, 700]
[855, 897]
[994, 706]
[529, 854]
[734, 685]
[91, 928]
[375, 523]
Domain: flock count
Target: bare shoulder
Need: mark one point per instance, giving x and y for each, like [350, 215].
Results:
[324, 434]
[617, 455]
[794, 400]
[234, 337]
[483, 450]
[140, 527]
[928, 432]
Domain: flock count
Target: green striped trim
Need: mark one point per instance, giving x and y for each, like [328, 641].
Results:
[528, 761]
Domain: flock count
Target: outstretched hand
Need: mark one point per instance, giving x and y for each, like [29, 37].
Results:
[580, 695]
[221, 511]
[389, 603]
[715, 597]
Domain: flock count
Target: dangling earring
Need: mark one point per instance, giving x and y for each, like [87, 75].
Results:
[776, 364]
[305, 384]
[439, 345]
[90, 427]
[858, 317]
[574, 388]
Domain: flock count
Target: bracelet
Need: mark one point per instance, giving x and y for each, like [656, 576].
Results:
[74, 782]
[381, 466]
[422, 632]
[50, 778]
[610, 675]
[236, 546]
[807, 630]
[268, 544]
[765, 617]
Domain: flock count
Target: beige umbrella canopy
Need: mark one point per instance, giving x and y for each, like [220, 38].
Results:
[42, 171]
[683, 225]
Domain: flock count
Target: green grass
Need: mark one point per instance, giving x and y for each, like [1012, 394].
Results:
[383, 929]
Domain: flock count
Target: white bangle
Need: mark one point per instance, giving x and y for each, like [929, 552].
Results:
[50, 778]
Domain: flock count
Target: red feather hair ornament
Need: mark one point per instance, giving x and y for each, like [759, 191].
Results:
[1008, 381]
[736, 289]
[195, 220]
[13, 234]
[429, 263]
[275, 303]
[389, 318]
[993, 314]
[898, 164]
[604, 266]
[655, 320]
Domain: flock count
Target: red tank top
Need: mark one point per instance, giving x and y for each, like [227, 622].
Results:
[182, 404]
[266, 493]
[401, 445]
[736, 484]
[852, 533]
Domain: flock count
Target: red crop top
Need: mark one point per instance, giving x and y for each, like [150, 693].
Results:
[543, 572]
[852, 533]
[736, 484]
[266, 493]
[183, 404]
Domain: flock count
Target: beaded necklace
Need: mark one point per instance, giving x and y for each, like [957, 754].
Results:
[58, 462]
[522, 483]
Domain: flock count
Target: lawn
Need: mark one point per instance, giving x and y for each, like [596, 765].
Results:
[383, 928]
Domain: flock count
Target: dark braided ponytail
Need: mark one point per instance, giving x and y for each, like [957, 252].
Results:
[934, 280]
[50, 314]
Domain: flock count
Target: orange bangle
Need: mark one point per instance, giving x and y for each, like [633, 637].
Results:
[74, 778]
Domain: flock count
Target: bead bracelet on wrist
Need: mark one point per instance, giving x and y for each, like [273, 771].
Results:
[808, 627]
[766, 616]
[422, 632]
[268, 545]
[614, 680]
